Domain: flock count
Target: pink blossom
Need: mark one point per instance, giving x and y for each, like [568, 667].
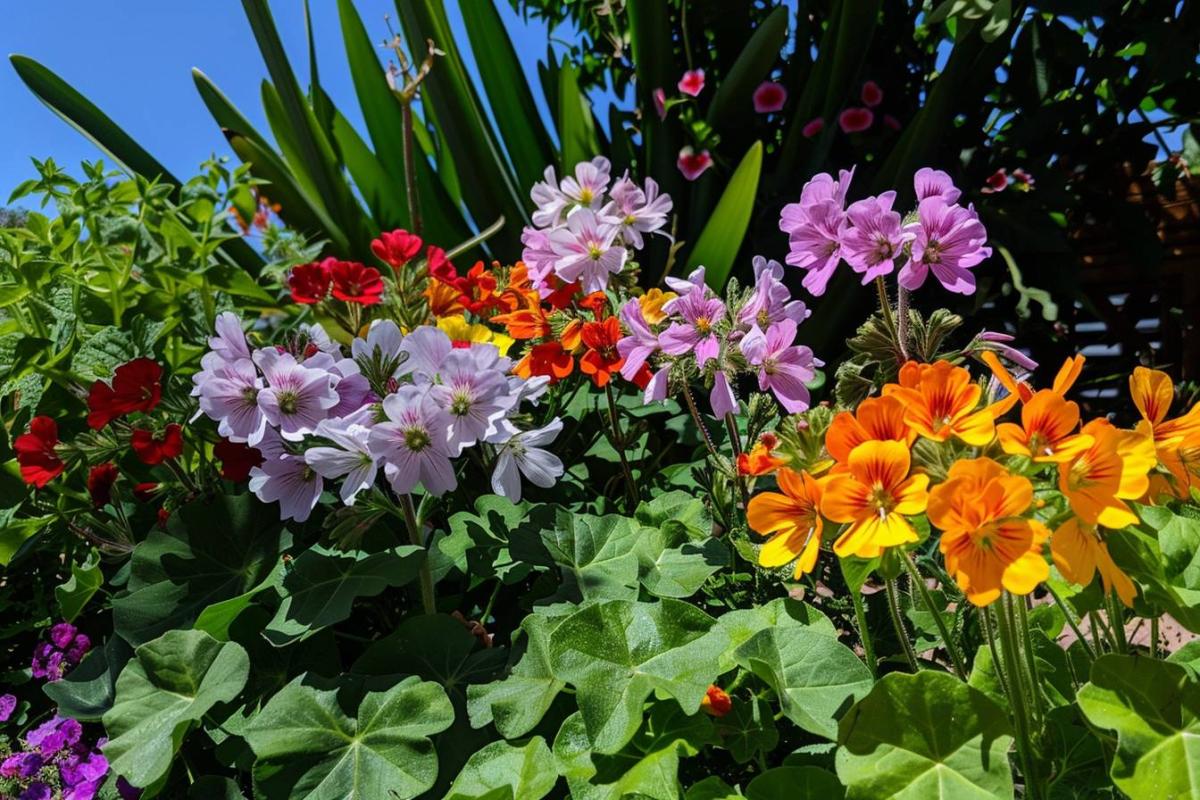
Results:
[350, 457]
[784, 368]
[692, 82]
[1022, 179]
[949, 240]
[296, 398]
[660, 102]
[290, 481]
[587, 186]
[812, 127]
[934, 183]
[230, 341]
[721, 398]
[770, 301]
[701, 314]
[549, 198]
[815, 226]
[474, 397]
[587, 251]
[424, 351]
[681, 286]
[658, 386]
[693, 164]
[230, 396]
[854, 120]
[520, 453]
[636, 210]
[871, 95]
[413, 444]
[640, 344]
[875, 237]
[769, 96]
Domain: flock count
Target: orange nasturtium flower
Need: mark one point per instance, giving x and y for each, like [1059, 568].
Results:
[1098, 480]
[760, 460]
[875, 419]
[1047, 431]
[652, 303]
[1068, 373]
[940, 401]
[601, 359]
[716, 702]
[1079, 551]
[873, 496]
[548, 359]
[525, 323]
[1176, 441]
[987, 544]
[790, 519]
[443, 298]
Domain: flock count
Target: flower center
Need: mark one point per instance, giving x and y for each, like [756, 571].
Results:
[289, 401]
[703, 324]
[1079, 476]
[416, 439]
[933, 252]
[763, 318]
[250, 396]
[586, 196]
[460, 404]
[881, 500]
[1040, 445]
[594, 251]
[630, 219]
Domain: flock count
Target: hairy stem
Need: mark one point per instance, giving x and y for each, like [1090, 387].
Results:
[893, 597]
[960, 665]
[618, 442]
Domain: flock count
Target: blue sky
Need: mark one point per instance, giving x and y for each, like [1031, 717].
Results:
[136, 66]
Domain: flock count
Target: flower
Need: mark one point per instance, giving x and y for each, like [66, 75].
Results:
[996, 182]
[769, 96]
[1021, 180]
[873, 496]
[640, 344]
[636, 210]
[721, 398]
[237, 459]
[8, 704]
[770, 301]
[783, 368]
[473, 395]
[949, 240]
[154, 448]
[602, 357]
[940, 402]
[854, 120]
[350, 458]
[875, 237]
[652, 303]
[1047, 429]
[760, 459]
[1176, 441]
[310, 282]
[701, 314]
[987, 544]
[412, 443]
[660, 102]
[100, 481]
[230, 342]
[424, 351]
[463, 333]
[520, 453]
[230, 396]
[1097, 480]
[355, 283]
[812, 127]
[716, 703]
[587, 250]
[292, 482]
[296, 398]
[929, 182]
[815, 226]
[792, 521]
[546, 359]
[871, 94]
[135, 386]
[36, 452]
[692, 82]
[53, 659]
[692, 164]
[396, 248]
[876, 419]
[587, 186]
[1079, 550]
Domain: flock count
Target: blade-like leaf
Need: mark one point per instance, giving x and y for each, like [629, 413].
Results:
[576, 125]
[722, 236]
[731, 103]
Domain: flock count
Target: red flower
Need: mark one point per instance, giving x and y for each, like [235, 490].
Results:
[310, 282]
[769, 97]
[597, 303]
[716, 702]
[872, 95]
[478, 289]
[812, 128]
[548, 358]
[996, 182]
[602, 358]
[854, 120]
[439, 266]
[396, 248]
[561, 297]
[355, 283]
[39, 461]
[692, 82]
[153, 448]
[144, 492]
[693, 164]
[100, 482]
[237, 459]
[164, 514]
[136, 386]
[642, 378]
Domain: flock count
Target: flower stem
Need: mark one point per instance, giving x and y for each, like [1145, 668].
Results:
[428, 599]
[960, 665]
[618, 442]
[985, 617]
[1016, 697]
[1073, 623]
[860, 620]
[1035, 685]
[885, 305]
[902, 321]
[735, 441]
[695, 412]
[1116, 619]
[893, 597]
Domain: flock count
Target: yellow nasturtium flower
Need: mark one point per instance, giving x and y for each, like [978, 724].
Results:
[791, 520]
[461, 331]
[1114, 468]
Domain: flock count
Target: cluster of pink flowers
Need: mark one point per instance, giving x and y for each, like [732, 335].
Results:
[942, 237]
[66, 648]
[747, 332]
[584, 231]
[403, 405]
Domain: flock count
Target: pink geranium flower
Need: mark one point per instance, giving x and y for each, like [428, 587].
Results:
[290, 481]
[934, 183]
[948, 241]
[696, 333]
[587, 250]
[413, 443]
[783, 368]
[815, 226]
[872, 95]
[692, 82]
[640, 344]
[875, 237]
[693, 164]
[721, 398]
[996, 182]
[854, 120]
[812, 127]
[660, 102]
[769, 96]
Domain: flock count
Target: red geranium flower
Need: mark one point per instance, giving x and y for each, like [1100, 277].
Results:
[602, 358]
[310, 282]
[39, 461]
[155, 448]
[439, 266]
[136, 386]
[164, 514]
[144, 492]
[396, 248]
[237, 459]
[100, 482]
[478, 289]
[355, 283]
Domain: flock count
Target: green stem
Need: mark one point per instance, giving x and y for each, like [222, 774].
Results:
[885, 305]
[902, 321]
[1022, 619]
[736, 442]
[1016, 696]
[893, 597]
[1116, 619]
[410, 174]
[695, 412]
[428, 599]
[860, 620]
[1073, 623]
[1098, 629]
[618, 442]
[985, 616]
[960, 665]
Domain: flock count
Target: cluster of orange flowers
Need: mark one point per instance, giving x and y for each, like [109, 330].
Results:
[500, 305]
[985, 505]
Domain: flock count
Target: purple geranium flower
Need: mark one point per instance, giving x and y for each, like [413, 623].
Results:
[587, 250]
[414, 443]
[934, 183]
[948, 240]
[296, 397]
[521, 453]
[230, 396]
[637, 211]
[424, 351]
[640, 344]
[289, 480]
[230, 342]
[36, 791]
[770, 301]
[783, 368]
[473, 395]
[875, 238]
[701, 314]
[350, 458]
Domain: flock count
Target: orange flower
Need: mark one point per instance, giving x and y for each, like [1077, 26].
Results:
[876, 419]
[525, 323]
[716, 703]
[760, 460]
[596, 302]
[652, 303]
[940, 400]
[790, 519]
[1176, 441]
[1047, 429]
[444, 299]
[545, 359]
[1068, 373]
[601, 359]
[1079, 551]
[873, 497]
[987, 544]
[1111, 470]
[572, 335]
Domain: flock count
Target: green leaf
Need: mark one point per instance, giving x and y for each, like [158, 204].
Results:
[748, 729]
[576, 125]
[719, 242]
[594, 554]
[86, 579]
[1154, 707]
[1161, 562]
[518, 703]
[617, 652]
[170, 684]
[631, 773]
[323, 584]
[796, 783]
[86, 693]
[502, 771]
[712, 788]
[213, 787]
[103, 352]
[309, 746]
[732, 102]
[676, 550]
[925, 735]
[784, 613]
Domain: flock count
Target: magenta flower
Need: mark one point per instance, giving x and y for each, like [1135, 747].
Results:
[999, 342]
[812, 127]
[587, 251]
[637, 211]
[996, 182]
[875, 237]
[770, 301]
[721, 398]
[8, 704]
[769, 96]
[783, 368]
[296, 398]
[587, 186]
[817, 245]
[681, 286]
[230, 396]
[934, 183]
[871, 95]
[640, 344]
[291, 482]
[692, 82]
[693, 164]
[660, 102]
[949, 240]
[854, 120]
[539, 257]
[413, 443]
[696, 334]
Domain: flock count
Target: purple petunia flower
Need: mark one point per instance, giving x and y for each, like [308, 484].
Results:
[949, 241]
[36, 791]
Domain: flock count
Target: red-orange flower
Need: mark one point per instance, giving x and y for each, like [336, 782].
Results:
[547, 359]
[396, 248]
[760, 460]
[876, 419]
[100, 482]
[601, 359]
[154, 449]
[309, 282]
[940, 401]
[716, 703]
[355, 283]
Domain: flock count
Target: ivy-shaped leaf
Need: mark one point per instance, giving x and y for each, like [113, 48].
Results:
[594, 554]
[502, 771]
[795, 783]
[630, 773]
[518, 703]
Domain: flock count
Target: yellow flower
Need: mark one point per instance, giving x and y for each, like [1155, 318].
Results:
[462, 332]
[790, 519]
[1113, 469]
[652, 303]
